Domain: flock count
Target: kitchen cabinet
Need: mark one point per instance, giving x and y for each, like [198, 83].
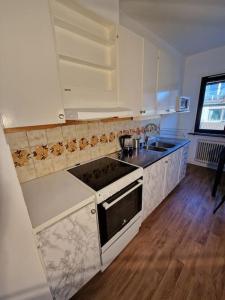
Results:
[149, 78]
[86, 44]
[183, 162]
[149, 104]
[29, 88]
[162, 177]
[168, 82]
[130, 55]
[153, 186]
[172, 172]
[69, 251]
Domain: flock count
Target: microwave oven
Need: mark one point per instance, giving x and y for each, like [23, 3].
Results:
[183, 104]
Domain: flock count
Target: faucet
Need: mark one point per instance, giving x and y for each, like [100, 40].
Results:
[147, 136]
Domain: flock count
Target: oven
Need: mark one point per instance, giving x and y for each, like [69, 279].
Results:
[119, 211]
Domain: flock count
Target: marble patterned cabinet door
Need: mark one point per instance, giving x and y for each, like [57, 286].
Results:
[153, 186]
[184, 160]
[172, 171]
[70, 252]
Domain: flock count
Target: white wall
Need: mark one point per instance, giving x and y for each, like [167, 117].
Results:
[21, 275]
[197, 66]
[168, 122]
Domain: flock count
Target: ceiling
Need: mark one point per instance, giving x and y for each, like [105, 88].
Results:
[190, 26]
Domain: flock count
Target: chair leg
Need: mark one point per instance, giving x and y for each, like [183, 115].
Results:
[219, 173]
[219, 205]
[215, 185]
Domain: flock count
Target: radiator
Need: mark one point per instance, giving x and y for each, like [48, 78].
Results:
[208, 152]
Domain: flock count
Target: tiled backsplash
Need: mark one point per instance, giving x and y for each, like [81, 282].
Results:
[40, 152]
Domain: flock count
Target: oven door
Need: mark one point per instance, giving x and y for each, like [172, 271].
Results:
[118, 210]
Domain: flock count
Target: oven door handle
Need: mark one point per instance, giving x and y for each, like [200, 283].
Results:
[108, 205]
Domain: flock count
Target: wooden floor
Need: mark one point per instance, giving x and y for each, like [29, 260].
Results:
[178, 254]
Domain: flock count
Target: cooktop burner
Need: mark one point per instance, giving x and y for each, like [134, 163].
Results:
[101, 172]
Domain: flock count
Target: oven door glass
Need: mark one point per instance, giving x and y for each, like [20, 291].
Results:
[118, 210]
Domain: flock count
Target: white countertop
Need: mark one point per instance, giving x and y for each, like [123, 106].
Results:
[52, 197]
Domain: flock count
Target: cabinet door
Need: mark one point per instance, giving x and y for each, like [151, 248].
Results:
[168, 82]
[131, 50]
[150, 78]
[172, 171]
[153, 186]
[183, 162]
[29, 88]
[70, 252]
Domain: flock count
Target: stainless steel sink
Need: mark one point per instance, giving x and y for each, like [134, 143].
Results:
[162, 145]
[154, 148]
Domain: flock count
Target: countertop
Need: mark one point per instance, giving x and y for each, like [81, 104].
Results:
[144, 158]
[52, 197]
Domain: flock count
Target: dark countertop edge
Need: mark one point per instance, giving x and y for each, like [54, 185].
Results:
[207, 134]
[167, 153]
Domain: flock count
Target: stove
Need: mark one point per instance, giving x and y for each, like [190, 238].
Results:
[102, 172]
[118, 190]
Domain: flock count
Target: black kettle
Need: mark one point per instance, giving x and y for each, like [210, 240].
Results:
[126, 143]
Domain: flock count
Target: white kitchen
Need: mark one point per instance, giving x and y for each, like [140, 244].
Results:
[112, 149]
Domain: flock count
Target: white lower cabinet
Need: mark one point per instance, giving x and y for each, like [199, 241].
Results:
[153, 186]
[172, 172]
[69, 251]
[183, 162]
[161, 178]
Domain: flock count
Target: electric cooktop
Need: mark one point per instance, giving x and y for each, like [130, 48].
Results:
[99, 173]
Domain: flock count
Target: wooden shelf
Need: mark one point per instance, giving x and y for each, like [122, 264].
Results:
[81, 32]
[85, 63]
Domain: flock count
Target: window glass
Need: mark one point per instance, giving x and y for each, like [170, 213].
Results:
[223, 117]
[211, 110]
[214, 115]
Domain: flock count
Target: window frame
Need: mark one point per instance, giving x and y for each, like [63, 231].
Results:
[204, 82]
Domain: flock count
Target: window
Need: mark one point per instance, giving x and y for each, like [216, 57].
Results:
[214, 115]
[211, 106]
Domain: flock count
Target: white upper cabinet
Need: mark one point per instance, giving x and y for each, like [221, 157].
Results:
[30, 91]
[149, 105]
[130, 54]
[86, 48]
[168, 82]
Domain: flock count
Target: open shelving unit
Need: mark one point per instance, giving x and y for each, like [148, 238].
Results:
[85, 63]
[86, 45]
[83, 33]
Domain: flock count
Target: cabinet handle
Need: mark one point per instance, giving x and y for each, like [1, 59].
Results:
[166, 162]
[61, 116]
[93, 211]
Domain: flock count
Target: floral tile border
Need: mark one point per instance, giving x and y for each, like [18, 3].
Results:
[61, 146]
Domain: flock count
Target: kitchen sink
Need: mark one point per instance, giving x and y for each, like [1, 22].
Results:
[154, 148]
[159, 144]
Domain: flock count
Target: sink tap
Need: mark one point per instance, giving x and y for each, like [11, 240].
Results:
[146, 140]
